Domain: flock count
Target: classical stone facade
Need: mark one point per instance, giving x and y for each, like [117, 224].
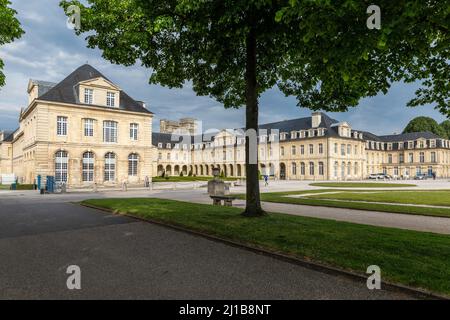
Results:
[311, 148]
[84, 130]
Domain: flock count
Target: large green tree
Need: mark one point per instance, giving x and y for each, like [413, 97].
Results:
[320, 51]
[425, 124]
[445, 125]
[9, 30]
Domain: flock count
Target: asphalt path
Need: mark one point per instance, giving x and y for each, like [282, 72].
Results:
[123, 258]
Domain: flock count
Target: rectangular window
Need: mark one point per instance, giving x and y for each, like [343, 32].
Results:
[293, 150]
[401, 158]
[88, 96]
[134, 128]
[389, 158]
[109, 131]
[302, 149]
[88, 127]
[411, 158]
[342, 149]
[320, 148]
[61, 126]
[311, 149]
[433, 157]
[422, 157]
[110, 99]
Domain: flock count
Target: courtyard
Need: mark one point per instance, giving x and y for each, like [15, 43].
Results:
[318, 232]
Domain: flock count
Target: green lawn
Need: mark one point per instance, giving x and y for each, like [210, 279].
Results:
[4, 187]
[314, 200]
[187, 179]
[436, 198]
[413, 258]
[361, 185]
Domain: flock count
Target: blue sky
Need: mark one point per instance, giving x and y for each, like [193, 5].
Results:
[50, 51]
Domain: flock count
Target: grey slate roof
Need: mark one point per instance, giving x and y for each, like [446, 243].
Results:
[43, 86]
[299, 124]
[409, 136]
[9, 137]
[65, 91]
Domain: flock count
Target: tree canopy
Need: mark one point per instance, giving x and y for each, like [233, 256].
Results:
[9, 30]
[445, 125]
[320, 51]
[412, 45]
[425, 124]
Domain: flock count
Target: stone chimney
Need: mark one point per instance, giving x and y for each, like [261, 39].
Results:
[316, 119]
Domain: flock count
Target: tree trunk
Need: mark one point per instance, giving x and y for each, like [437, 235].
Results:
[253, 205]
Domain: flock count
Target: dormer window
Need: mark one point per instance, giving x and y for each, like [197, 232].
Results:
[110, 99]
[88, 96]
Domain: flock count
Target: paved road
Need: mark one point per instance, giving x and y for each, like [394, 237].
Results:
[123, 258]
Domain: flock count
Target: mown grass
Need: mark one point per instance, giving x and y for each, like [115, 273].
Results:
[434, 198]
[412, 258]
[361, 185]
[315, 200]
[4, 187]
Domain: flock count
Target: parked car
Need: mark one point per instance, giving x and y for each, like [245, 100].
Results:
[421, 176]
[379, 176]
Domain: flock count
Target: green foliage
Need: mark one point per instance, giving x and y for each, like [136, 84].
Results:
[424, 124]
[9, 30]
[181, 174]
[445, 125]
[413, 44]
[319, 51]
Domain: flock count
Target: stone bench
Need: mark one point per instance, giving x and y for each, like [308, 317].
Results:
[227, 200]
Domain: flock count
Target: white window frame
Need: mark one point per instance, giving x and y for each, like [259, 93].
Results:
[134, 130]
[61, 166]
[61, 126]
[110, 167]
[110, 99]
[133, 162]
[89, 127]
[88, 163]
[88, 96]
[109, 131]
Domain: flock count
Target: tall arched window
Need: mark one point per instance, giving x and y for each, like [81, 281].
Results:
[88, 167]
[133, 165]
[311, 168]
[302, 168]
[110, 166]
[294, 169]
[61, 164]
[321, 168]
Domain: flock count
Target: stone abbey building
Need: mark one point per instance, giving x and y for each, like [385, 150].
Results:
[87, 131]
[84, 130]
[311, 148]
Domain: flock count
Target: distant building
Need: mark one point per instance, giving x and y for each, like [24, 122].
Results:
[310, 148]
[183, 126]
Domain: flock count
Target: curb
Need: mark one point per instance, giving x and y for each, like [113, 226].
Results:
[391, 286]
